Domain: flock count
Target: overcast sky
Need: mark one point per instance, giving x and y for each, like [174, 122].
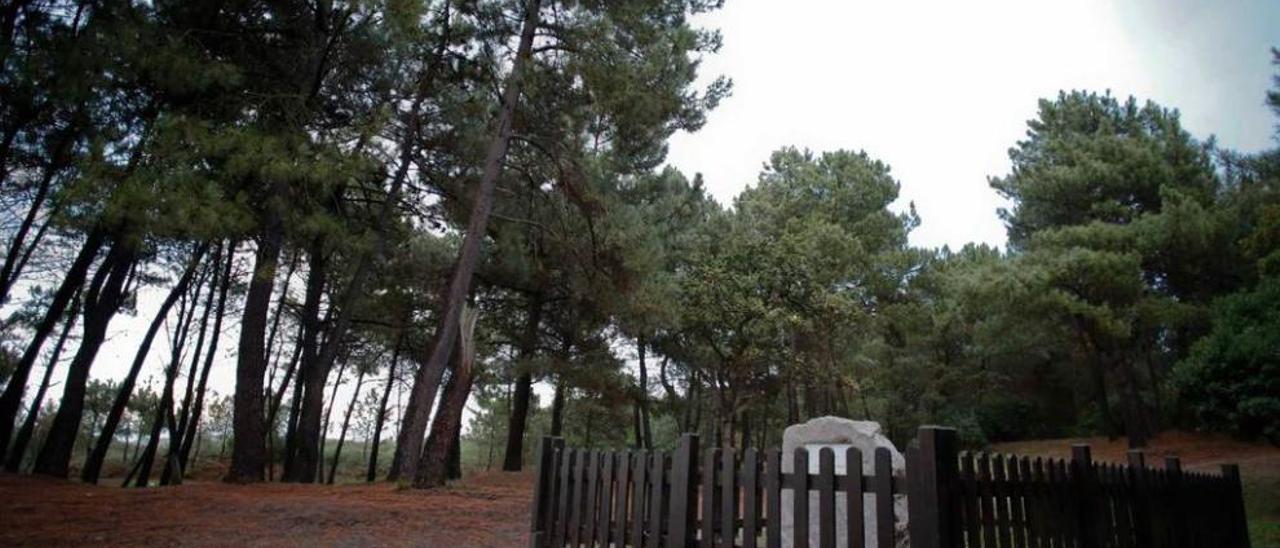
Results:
[939, 90]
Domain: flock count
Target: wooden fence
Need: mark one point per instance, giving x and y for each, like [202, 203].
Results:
[728, 499]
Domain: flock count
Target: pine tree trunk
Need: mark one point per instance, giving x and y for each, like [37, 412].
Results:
[513, 459]
[193, 373]
[382, 411]
[324, 429]
[455, 454]
[249, 448]
[304, 463]
[273, 407]
[147, 460]
[19, 449]
[93, 464]
[643, 436]
[557, 410]
[172, 472]
[102, 301]
[190, 435]
[432, 470]
[13, 259]
[346, 422]
[273, 345]
[11, 400]
[427, 380]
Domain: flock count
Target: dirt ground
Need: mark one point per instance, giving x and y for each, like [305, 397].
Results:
[489, 509]
[486, 509]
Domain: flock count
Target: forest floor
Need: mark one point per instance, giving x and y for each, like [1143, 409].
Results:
[1259, 467]
[487, 509]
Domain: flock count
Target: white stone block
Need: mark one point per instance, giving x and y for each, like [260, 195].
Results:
[839, 434]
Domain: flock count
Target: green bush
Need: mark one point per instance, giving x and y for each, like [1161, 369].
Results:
[1231, 380]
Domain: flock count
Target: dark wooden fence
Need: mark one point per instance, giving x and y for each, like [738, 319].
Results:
[728, 499]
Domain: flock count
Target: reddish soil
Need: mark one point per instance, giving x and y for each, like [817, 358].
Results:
[488, 509]
[1202, 452]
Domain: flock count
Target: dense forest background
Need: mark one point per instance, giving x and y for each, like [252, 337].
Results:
[382, 214]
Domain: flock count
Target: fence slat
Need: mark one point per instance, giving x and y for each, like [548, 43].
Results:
[565, 496]
[853, 488]
[606, 499]
[773, 497]
[641, 466]
[1030, 494]
[538, 513]
[883, 485]
[972, 520]
[553, 498]
[1014, 490]
[1068, 523]
[800, 496]
[985, 500]
[684, 473]
[1238, 529]
[1003, 500]
[709, 465]
[657, 479]
[750, 498]
[1177, 513]
[728, 501]
[579, 495]
[826, 498]
[593, 494]
[619, 527]
[1084, 484]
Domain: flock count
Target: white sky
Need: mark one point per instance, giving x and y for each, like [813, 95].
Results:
[939, 90]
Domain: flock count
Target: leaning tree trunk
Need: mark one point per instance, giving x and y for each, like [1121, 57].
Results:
[11, 400]
[382, 411]
[93, 465]
[19, 449]
[193, 373]
[147, 461]
[433, 469]
[427, 379]
[514, 457]
[189, 436]
[102, 299]
[172, 472]
[249, 448]
[19, 248]
[346, 422]
[324, 429]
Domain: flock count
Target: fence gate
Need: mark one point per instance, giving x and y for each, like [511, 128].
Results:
[718, 498]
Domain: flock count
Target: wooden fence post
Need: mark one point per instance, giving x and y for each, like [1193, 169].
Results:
[684, 472]
[1238, 529]
[542, 490]
[931, 483]
[1141, 499]
[1177, 506]
[1085, 481]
